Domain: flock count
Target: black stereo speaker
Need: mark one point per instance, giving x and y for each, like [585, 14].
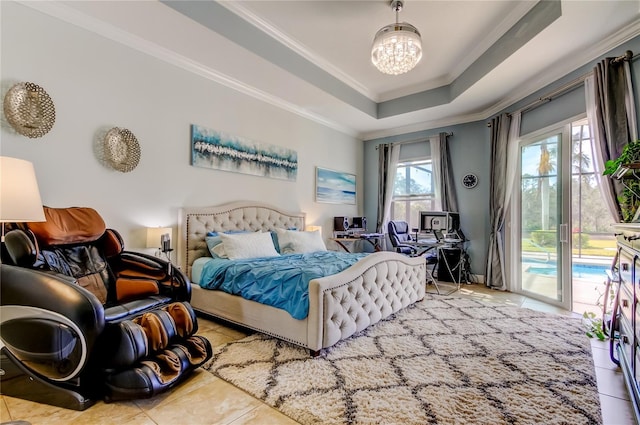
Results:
[359, 223]
[340, 224]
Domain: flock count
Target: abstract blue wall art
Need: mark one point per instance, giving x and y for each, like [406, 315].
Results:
[335, 187]
[222, 151]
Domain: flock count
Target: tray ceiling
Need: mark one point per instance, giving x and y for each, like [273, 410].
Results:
[313, 57]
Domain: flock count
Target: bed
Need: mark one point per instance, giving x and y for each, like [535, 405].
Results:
[340, 305]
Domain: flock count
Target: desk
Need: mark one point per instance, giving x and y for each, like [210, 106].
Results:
[423, 245]
[374, 239]
[452, 265]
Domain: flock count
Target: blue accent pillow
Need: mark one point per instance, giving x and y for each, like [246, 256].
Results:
[274, 237]
[212, 242]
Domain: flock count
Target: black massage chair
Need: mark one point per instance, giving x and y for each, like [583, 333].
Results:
[81, 319]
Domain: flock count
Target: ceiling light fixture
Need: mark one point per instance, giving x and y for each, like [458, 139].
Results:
[397, 48]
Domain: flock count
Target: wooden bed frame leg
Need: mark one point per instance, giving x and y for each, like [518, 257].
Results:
[315, 353]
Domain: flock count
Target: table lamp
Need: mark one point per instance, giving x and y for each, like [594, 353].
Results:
[314, 229]
[159, 237]
[19, 194]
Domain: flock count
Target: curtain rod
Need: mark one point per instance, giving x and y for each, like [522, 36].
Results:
[628, 56]
[422, 139]
[571, 85]
[564, 89]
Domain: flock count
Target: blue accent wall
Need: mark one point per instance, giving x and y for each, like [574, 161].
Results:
[471, 152]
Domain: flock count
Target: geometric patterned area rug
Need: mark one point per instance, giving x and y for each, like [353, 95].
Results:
[444, 360]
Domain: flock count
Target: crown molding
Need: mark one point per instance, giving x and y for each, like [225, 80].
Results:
[424, 125]
[296, 46]
[559, 70]
[74, 17]
[517, 13]
[562, 69]
[552, 75]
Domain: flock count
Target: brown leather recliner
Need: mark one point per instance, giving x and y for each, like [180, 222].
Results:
[83, 319]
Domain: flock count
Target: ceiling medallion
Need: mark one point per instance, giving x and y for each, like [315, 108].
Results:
[397, 48]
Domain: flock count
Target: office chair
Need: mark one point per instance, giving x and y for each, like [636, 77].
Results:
[399, 236]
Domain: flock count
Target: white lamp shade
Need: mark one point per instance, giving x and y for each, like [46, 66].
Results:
[19, 194]
[154, 234]
[314, 229]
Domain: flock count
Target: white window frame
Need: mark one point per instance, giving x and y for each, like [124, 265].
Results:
[429, 198]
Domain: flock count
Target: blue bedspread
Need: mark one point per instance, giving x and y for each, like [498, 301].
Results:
[281, 282]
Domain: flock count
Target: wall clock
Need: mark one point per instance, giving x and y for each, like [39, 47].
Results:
[470, 180]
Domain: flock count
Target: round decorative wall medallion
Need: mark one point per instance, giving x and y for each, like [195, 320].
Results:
[29, 110]
[121, 149]
[470, 180]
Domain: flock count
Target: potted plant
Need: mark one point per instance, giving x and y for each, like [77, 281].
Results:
[626, 168]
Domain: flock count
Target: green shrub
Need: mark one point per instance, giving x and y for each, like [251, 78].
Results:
[580, 239]
[544, 237]
[547, 238]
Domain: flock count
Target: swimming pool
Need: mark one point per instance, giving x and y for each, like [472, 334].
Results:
[579, 270]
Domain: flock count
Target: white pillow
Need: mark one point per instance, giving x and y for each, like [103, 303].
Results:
[218, 251]
[248, 245]
[294, 242]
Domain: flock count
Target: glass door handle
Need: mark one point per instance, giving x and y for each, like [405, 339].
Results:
[564, 233]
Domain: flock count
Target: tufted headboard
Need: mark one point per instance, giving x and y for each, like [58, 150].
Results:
[194, 223]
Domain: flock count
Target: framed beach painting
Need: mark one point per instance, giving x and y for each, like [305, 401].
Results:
[335, 187]
[222, 151]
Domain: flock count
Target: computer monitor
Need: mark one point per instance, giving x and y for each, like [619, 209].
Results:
[431, 221]
[454, 222]
[444, 221]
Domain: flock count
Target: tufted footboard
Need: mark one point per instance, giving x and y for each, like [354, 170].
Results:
[369, 291]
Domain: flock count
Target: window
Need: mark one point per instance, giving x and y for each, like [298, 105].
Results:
[413, 191]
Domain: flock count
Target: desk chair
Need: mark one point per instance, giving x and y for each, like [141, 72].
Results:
[399, 235]
[403, 243]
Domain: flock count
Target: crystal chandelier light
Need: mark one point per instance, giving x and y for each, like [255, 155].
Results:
[397, 48]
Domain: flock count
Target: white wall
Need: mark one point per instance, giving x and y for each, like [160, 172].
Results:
[97, 84]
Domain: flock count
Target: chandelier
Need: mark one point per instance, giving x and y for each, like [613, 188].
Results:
[397, 48]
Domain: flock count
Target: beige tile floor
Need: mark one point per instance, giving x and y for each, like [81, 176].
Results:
[205, 399]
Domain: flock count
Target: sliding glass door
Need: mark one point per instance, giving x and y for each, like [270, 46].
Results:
[543, 203]
[561, 241]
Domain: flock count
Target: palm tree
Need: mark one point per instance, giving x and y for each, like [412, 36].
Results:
[545, 166]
